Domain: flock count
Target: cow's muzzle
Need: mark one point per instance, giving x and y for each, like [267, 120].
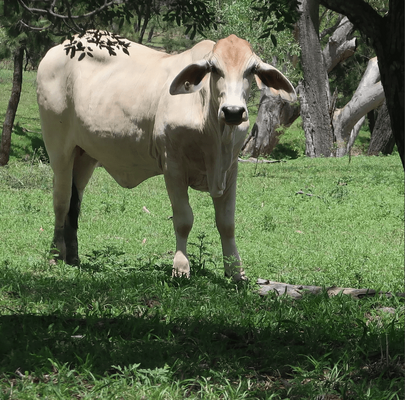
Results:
[233, 115]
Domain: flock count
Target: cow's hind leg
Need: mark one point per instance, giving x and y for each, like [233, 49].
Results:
[70, 228]
[83, 168]
[62, 192]
[66, 218]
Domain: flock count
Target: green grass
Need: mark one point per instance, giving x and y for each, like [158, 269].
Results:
[345, 229]
[207, 337]
[120, 327]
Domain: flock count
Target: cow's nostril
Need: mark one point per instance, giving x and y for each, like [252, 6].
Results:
[234, 115]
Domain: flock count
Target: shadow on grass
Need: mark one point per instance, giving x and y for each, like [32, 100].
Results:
[287, 150]
[194, 346]
[175, 322]
[31, 145]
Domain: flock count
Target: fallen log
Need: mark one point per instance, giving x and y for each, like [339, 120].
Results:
[297, 291]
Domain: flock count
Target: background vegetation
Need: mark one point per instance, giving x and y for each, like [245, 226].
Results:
[119, 326]
[244, 17]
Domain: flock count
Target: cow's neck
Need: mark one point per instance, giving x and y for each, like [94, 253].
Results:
[219, 156]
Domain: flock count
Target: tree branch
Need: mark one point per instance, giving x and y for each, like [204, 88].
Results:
[297, 291]
[75, 26]
[339, 46]
[50, 11]
[360, 14]
[331, 29]
[34, 28]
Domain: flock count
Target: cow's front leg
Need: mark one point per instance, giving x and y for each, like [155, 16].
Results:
[225, 220]
[182, 222]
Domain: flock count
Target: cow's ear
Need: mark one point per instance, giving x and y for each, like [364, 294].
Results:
[267, 75]
[191, 78]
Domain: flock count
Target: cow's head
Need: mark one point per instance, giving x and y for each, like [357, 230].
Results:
[232, 65]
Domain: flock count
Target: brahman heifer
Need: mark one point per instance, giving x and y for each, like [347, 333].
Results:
[142, 113]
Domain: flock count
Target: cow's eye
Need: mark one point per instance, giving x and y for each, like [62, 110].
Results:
[215, 70]
[250, 71]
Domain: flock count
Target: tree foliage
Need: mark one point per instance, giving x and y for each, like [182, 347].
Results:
[276, 16]
[241, 18]
[39, 24]
[63, 18]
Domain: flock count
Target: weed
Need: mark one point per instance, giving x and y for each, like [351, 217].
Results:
[201, 257]
[108, 257]
[340, 192]
[268, 223]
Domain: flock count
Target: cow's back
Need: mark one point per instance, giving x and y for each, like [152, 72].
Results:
[85, 81]
[107, 104]
[143, 73]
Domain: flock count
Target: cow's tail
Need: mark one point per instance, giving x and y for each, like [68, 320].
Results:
[71, 225]
[74, 209]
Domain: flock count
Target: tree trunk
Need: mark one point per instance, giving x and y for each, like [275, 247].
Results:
[274, 113]
[371, 120]
[391, 53]
[314, 95]
[387, 37]
[12, 106]
[146, 18]
[368, 96]
[340, 46]
[264, 137]
[150, 36]
[382, 139]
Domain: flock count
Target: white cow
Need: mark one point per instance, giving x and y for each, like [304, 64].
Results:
[150, 113]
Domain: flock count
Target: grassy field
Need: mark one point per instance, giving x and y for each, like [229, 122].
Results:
[120, 327]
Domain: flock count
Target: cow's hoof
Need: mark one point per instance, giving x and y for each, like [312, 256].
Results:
[240, 277]
[73, 261]
[55, 256]
[181, 266]
[178, 274]
[237, 275]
